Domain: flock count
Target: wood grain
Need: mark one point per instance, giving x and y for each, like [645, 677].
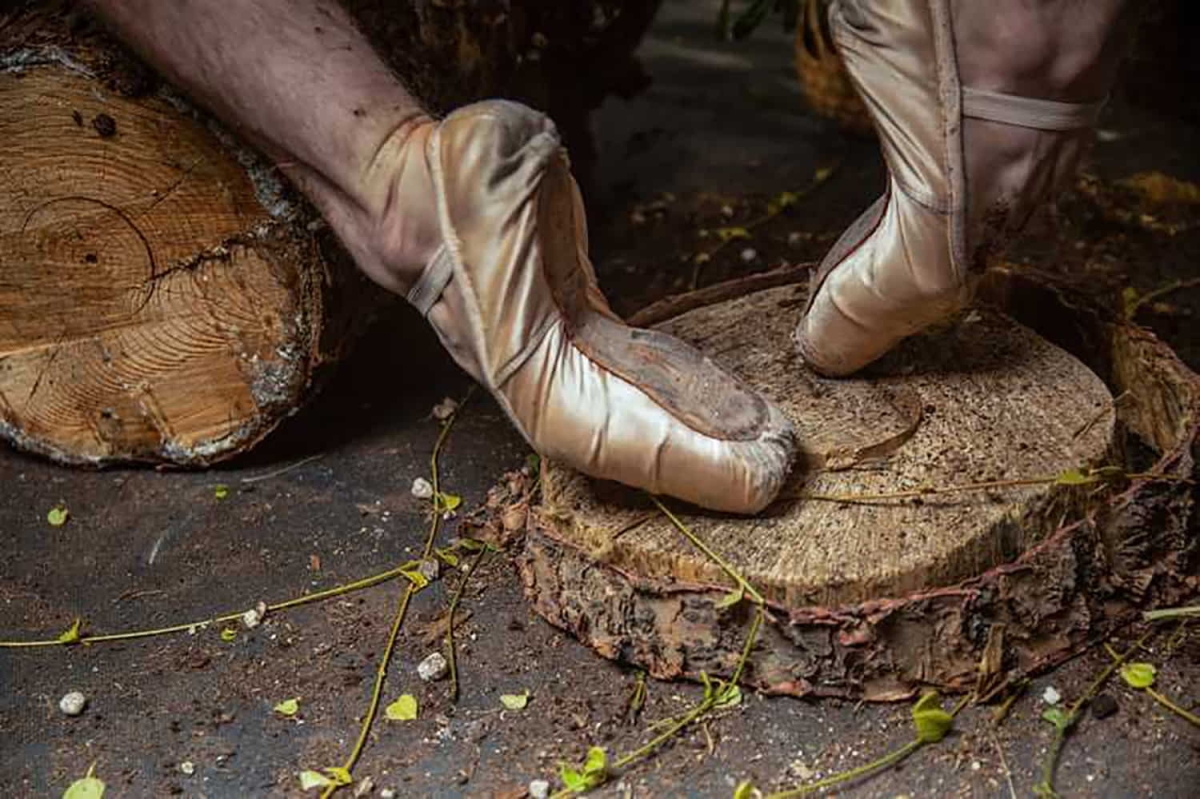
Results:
[982, 399]
[147, 313]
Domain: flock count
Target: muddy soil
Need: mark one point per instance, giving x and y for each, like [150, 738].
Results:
[718, 136]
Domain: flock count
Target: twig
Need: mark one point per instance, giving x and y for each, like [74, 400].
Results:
[357, 585]
[1160, 698]
[986, 485]
[1012, 790]
[283, 470]
[1159, 293]
[740, 581]
[401, 609]
[1165, 614]
[454, 600]
[821, 176]
[1046, 786]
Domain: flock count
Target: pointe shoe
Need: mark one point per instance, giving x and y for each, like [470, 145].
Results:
[513, 297]
[967, 166]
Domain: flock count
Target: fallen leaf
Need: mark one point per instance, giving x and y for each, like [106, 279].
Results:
[58, 516]
[1138, 675]
[71, 634]
[313, 779]
[288, 707]
[220, 492]
[228, 634]
[85, 788]
[515, 701]
[403, 709]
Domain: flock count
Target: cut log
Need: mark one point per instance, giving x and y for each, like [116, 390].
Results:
[924, 526]
[164, 297]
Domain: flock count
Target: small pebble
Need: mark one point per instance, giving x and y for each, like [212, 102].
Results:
[1051, 696]
[187, 767]
[444, 409]
[429, 569]
[253, 617]
[1104, 706]
[365, 786]
[726, 211]
[433, 667]
[795, 237]
[72, 704]
[387, 793]
[539, 789]
[749, 254]
[422, 488]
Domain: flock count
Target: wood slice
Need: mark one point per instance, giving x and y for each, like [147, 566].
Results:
[163, 296]
[877, 597]
[154, 307]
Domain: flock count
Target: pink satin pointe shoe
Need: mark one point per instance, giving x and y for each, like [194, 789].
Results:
[513, 297]
[967, 166]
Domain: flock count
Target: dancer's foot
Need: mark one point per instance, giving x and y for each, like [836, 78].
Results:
[982, 110]
[511, 293]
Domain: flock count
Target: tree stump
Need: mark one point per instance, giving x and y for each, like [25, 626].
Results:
[164, 296]
[933, 533]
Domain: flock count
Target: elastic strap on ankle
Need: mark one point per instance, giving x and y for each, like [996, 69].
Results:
[432, 282]
[1028, 112]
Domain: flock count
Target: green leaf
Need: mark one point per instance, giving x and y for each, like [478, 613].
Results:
[931, 721]
[596, 762]
[288, 707]
[515, 701]
[470, 545]
[228, 635]
[1074, 477]
[744, 790]
[313, 779]
[1055, 716]
[58, 516]
[85, 788]
[221, 491]
[414, 576]
[731, 233]
[446, 556]
[572, 780]
[338, 775]
[403, 709]
[734, 596]
[446, 502]
[730, 696]
[1138, 675]
[533, 461]
[71, 634]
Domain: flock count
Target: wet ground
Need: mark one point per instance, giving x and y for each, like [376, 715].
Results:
[721, 132]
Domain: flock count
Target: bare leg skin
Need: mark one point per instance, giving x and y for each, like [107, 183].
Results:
[301, 82]
[477, 220]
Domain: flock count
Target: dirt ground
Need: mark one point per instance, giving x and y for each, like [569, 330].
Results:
[720, 133]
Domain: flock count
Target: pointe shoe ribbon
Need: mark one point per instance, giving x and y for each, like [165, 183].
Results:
[966, 168]
[513, 298]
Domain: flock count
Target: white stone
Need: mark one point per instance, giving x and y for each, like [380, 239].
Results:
[72, 704]
[539, 789]
[187, 767]
[387, 793]
[433, 667]
[749, 254]
[422, 488]
[444, 409]
[1051, 696]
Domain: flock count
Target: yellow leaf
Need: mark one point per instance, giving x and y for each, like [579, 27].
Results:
[228, 634]
[58, 516]
[403, 709]
[288, 707]
[85, 788]
[220, 492]
[515, 701]
[71, 635]
[730, 233]
[313, 779]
